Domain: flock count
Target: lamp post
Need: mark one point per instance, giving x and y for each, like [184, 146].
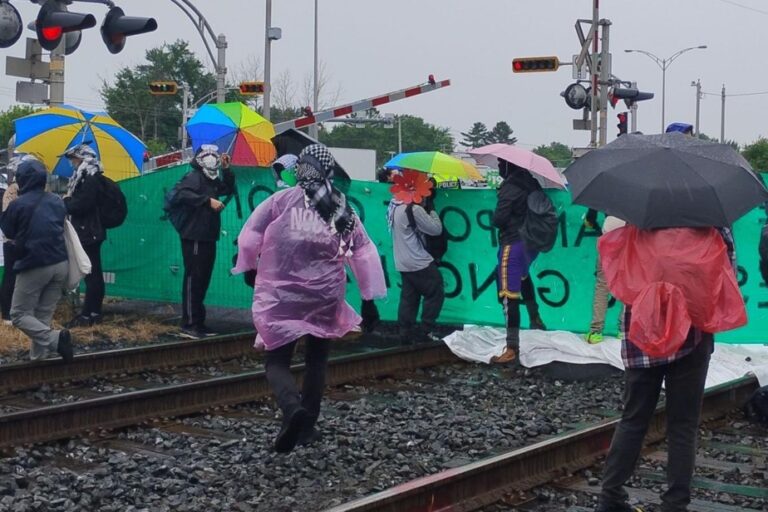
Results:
[664, 64]
[315, 84]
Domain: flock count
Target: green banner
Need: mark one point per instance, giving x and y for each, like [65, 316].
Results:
[142, 258]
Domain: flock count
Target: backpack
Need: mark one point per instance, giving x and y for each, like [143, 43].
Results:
[175, 211]
[756, 409]
[112, 205]
[435, 245]
[539, 229]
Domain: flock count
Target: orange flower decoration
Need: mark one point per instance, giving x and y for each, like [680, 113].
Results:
[411, 186]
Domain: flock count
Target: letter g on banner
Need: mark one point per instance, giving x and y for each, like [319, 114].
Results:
[547, 294]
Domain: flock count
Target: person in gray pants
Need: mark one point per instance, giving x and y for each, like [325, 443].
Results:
[35, 223]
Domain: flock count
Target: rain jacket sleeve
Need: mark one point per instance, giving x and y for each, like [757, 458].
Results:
[191, 190]
[251, 238]
[366, 266]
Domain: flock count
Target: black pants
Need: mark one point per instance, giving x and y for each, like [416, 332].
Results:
[199, 258]
[94, 282]
[512, 306]
[684, 392]
[283, 385]
[9, 279]
[427, 283]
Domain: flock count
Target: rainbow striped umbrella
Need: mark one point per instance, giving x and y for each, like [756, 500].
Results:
[49, 133]
[237, 130]
[436, 163]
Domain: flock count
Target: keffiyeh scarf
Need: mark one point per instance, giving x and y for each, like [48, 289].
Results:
[89, 167]
[314, 173]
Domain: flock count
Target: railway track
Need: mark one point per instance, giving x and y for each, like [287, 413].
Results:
[52, 422]
[485, 482]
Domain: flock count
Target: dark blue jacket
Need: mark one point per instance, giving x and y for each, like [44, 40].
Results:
[35, 221]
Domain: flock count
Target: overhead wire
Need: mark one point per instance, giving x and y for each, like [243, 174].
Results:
[747, 7]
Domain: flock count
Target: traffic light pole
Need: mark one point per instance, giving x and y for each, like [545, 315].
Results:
[220, 42]
[267, 62]
[595, 75]
[56, 76]
[605, 76]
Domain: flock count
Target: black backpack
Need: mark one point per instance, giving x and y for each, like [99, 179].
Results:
[112, 205]
[435, 245]
[175, 211]
[539, 229]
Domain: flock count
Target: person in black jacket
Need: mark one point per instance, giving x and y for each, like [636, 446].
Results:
[82, 201]
[199, 191]
[513, 280]
[35, 222]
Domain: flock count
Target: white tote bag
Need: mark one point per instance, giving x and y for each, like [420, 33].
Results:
[79, 263]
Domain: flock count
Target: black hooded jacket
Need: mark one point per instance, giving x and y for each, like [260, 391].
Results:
[763, 250]
[35, 221]
[83, 208]
[195, 191]
[512, 203]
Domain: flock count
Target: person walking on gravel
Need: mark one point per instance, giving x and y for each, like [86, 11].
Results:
[35, 222]
[299, 241]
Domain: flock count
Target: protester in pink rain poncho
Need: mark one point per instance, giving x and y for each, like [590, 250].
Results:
[299, 241]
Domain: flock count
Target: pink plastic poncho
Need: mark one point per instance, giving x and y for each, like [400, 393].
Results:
[301, 279]
[673, 278]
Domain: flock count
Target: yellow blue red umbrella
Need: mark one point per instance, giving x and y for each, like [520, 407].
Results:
[49, 133]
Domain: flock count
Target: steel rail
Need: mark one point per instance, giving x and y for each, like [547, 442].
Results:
[487, 481]
[121, 410]
[21, 376]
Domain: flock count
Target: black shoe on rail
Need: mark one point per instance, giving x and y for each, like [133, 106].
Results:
[64, 347]
[288, 436]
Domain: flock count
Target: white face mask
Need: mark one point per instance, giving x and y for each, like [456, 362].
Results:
[209, 163]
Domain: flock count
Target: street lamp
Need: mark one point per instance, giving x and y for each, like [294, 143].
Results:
[664, 64]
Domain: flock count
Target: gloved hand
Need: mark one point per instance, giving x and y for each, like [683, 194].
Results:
[370, 314]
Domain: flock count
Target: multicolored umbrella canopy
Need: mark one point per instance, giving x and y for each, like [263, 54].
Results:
[237, 130]
[50, 132]
[436, 163]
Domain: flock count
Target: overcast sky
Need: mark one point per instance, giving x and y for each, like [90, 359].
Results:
[371, 47]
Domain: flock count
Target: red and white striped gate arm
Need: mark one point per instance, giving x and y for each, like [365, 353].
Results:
[325, 115]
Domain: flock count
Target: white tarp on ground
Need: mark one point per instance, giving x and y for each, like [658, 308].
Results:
[480, 344]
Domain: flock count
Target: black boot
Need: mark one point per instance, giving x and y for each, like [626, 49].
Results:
[293, 423]
[533, 314]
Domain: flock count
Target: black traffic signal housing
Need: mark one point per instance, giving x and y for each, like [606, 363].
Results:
[117, 27]
[630, 95]
[622, 125]
[163, 88]
[251, 88]
[535, 64]
[53, 21]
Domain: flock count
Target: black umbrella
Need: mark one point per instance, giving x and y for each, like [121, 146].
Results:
[292, 141]
[668, 180]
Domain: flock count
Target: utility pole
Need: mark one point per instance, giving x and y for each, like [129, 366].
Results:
[697, 84]
[595, 74]
[605, 75]
[722, 117]
[399, 134]
[267, 61]
[633, 113]
[315, 84]
[221, 69]
[56, 79]
[184, 111]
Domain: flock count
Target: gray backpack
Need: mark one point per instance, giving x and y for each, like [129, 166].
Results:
[539, 229]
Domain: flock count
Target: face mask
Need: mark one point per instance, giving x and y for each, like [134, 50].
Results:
[209, 163]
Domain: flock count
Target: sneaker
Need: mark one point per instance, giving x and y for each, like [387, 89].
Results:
[65, 346]
[205, 332]
[79, 321]
[7, 322]
[593, 338]
[308, 437]
[289, 433]
[96, 318]
[507, 356]
[190, 333]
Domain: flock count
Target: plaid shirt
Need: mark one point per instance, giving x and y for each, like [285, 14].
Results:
[633, 357]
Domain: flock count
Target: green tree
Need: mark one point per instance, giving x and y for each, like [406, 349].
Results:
[730, 142]
[7, 117]
[502, 134]
[418, 135]
[757, 154]
[476, 137]
[559, 154]
[156, 117]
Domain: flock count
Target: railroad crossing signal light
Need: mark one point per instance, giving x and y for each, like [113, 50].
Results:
[117, 27]
[251, 88]
[163, 88]
[630, 95]
[535, 64]
[53, 21]
[622, 125]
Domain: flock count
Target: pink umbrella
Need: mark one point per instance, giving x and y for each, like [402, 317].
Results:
[539, 166]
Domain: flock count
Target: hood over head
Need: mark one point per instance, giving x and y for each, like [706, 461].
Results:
[31, 175]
